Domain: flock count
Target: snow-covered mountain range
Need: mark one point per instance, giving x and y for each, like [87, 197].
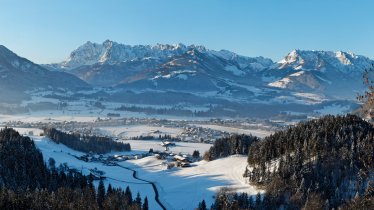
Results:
[110, 52]
[197, 69]
[194, 75]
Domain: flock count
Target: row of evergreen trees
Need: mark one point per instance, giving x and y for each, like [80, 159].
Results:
[64, 198]
[83, 143]
[26, 182]
[234, 201]
[235, 144]
[165, 137]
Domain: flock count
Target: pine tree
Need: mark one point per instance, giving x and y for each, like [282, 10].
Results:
[202, 205]
[100, 194]
[109, 190]
[145, 204]
[138, 201]
[128, 196]
[196, 154]
[52, 163]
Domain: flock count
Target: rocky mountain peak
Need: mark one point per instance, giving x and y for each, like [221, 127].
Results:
[111, 52]
[312, 60]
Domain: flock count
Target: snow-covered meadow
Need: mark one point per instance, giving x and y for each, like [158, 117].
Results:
[179, 188]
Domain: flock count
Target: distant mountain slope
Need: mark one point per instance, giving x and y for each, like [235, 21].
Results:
[18, 75]
[323, 60]
[193, 71]
[336, 74]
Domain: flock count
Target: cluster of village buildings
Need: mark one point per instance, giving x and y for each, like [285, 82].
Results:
[170, 159]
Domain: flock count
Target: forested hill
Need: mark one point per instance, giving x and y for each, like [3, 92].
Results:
[322, 163]
[26, 182]
[233, 145]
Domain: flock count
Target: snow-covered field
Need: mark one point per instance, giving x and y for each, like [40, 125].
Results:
[184, 188]
[179, 188]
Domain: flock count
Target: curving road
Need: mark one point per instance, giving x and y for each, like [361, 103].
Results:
[134, 174]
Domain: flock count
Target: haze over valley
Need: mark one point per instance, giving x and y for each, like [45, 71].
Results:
[188, 81]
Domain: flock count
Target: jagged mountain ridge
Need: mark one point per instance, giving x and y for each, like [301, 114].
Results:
[111, 52]
[195, 68]
[166, 67]
[326, 72]
[322, 60]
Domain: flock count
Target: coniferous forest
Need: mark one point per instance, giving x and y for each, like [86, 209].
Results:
[233, 145]
[320, 164]
[27, 182]
[83, 143]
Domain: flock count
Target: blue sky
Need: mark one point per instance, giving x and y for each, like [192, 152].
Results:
[47, 31]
